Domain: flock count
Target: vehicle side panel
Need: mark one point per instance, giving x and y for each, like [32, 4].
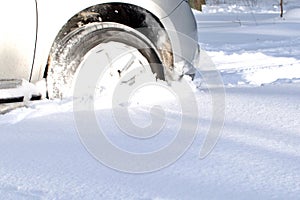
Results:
[17, 38]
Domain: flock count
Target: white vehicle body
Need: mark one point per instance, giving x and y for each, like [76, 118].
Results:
[30, 27]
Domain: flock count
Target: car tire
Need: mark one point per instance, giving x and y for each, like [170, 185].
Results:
[67, 53]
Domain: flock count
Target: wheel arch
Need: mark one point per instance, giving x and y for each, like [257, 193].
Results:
[127, 14]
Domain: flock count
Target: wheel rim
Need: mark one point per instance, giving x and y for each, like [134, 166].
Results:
[121, 63]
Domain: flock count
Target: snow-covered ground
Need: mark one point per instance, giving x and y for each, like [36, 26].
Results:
[252, 48]
[257, 156]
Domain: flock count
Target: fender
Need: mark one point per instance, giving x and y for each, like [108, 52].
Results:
[53, 15]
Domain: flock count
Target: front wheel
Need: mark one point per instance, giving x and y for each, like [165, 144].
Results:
[68, 53]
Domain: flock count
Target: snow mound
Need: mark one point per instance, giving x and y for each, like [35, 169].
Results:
[241, 6]
[293, 14]
[255, 68]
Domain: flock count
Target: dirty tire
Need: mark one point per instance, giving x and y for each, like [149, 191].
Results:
[67, 53]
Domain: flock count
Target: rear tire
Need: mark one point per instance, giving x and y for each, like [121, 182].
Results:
[69, 52]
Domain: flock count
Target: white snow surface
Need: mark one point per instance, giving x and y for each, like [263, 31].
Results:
[256, 157]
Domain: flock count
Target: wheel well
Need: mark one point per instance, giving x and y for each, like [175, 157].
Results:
[126, 14]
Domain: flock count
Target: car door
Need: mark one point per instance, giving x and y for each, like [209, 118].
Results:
[17, 38]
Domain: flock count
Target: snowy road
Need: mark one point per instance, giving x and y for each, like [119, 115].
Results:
[258, 155]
